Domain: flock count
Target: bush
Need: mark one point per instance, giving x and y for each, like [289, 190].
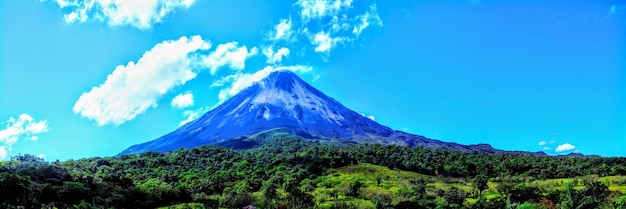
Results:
[355, 188]
[455, 196]
[523, 194]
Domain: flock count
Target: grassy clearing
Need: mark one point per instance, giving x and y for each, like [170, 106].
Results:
[382, 182]
[378, 182]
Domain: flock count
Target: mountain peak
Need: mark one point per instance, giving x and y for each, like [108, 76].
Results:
[283, 94]
[281, 79]
[284, 101]
[280, 100]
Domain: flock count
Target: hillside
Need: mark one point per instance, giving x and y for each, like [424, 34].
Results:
[282, 101]
[287, 170]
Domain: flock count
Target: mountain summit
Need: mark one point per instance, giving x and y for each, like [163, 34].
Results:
[284, 101]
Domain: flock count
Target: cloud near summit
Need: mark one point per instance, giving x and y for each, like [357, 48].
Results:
[234, 83]
[322, 25]
[183, 100]
[133, 88]
[315, 26]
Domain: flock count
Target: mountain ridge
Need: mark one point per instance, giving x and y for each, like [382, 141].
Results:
[283, 100]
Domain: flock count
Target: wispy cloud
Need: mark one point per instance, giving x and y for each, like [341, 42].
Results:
[282, 31]
[183, 100]
[131, 89]
[541, 143]
[565, 147]
[191, 115]
[321, 25]
[615, 8]
[370, 17]
[324, 43]
[275, 56]
[229, 54]
[142, 14]
[22, 127]
[234, 83]
[3, 152]
[317, 9]
[371, 117]
[327, 23]
[239, 81]
[317, 77]
[317, 26]
[544, 143]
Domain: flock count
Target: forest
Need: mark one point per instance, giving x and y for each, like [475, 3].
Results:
[289, 172]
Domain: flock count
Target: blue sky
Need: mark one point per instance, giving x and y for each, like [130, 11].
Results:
[85, 78]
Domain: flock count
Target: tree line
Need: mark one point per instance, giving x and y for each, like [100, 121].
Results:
[284, 171]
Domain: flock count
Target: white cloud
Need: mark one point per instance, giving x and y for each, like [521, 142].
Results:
[23, 126]
[132, 89]
[324, 24]
[229, 54]
[275, 56]
[565, 147]
[541, 143]
[3, 152]
[42, 156]
[282, 30]
[371, 117]
[339, 24]
[547, 148]
[183, 100]
[193, 114]
[370, 17]
[142, 14]
[324, 43]
[315, 9]
[240, 81]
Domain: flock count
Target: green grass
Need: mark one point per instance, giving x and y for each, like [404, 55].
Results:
[185, 206]
[333, 187]
[615, 183]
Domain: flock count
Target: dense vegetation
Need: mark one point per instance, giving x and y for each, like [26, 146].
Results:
[287, 172]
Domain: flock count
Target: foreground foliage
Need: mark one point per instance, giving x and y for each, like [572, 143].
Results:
[288, 172]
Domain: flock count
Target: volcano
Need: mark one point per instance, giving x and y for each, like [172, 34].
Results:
[283, 101]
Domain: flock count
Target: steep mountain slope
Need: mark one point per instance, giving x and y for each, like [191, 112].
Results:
[283, 101]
